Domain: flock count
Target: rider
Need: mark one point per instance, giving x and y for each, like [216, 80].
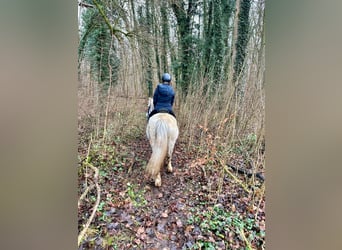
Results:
[163, 96]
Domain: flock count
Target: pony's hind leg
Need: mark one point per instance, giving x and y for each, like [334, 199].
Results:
[169, 154]
[169, 165]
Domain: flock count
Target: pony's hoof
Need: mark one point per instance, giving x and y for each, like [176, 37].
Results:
[157, 183]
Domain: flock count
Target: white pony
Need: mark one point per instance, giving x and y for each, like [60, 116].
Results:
[162, 132]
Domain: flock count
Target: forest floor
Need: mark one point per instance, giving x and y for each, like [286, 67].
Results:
[198, 206]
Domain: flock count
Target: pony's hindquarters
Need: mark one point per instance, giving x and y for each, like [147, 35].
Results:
[162, 132]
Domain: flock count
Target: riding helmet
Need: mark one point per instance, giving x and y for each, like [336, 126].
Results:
[166, 77]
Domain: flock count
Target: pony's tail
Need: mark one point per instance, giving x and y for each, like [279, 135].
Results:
[159, 142]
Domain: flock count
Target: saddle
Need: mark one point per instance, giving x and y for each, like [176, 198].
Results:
[161, 111]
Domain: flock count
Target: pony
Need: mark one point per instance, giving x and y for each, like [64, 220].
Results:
[162, 133]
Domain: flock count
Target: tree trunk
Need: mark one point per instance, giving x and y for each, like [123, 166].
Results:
[241, 42]
[185, 39]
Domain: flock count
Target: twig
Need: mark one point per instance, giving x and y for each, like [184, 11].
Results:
[81, 235]
[236, 179]
[225, 167]
[84, 194]
[87, 161]
[262, 192]
[112, 29]
[204, 173]
[131, 163]
[245, 172]
[82, 4]
[248, 244]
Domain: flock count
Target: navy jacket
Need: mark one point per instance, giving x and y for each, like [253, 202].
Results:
[163, 97]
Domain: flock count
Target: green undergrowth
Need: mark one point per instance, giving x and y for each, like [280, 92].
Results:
[136, 195]
[217, 222]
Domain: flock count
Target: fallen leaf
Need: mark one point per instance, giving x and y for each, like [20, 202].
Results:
[159, 235]
[161, 226]
[179, 223]
[262, 225]
[140, 230]
[189, 228]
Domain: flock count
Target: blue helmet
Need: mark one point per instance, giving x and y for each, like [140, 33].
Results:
[166, 77]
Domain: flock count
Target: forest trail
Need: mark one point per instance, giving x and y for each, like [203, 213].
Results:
[215, 55]
[198, 206]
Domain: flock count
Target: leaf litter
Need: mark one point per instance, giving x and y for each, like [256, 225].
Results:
[197, 206]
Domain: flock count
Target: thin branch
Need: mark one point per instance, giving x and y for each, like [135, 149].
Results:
[248, 244]
[86, 5]
[81, 235]
[132, 161]
[262, 193]
[113, 30]
[87, 160]
[108, 91]
[103, 16]
[225, 167]
[236, 179]
[84, 194]
[246, 172]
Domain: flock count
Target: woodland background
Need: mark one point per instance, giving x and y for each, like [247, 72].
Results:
[215, 52]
